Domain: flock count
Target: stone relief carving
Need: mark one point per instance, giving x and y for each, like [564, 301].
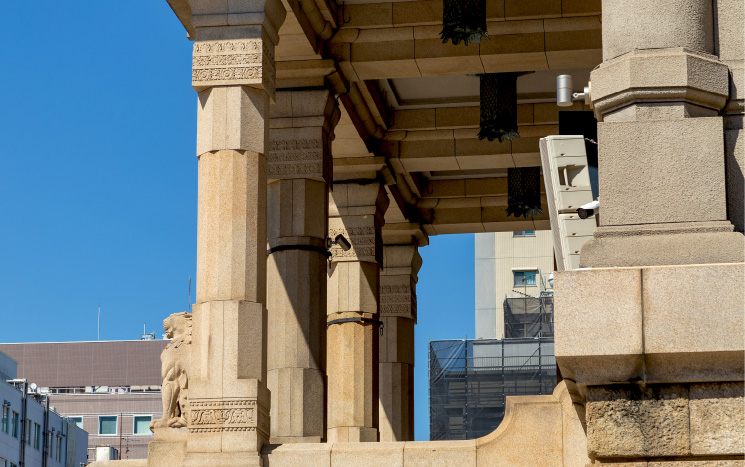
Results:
[237, 62]
[174, 369]
[215, 415]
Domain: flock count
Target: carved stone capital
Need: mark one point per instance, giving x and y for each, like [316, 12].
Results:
[234, 62]
[357, 212]
[302, 128]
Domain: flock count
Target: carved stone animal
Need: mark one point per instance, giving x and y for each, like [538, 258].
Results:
[175, 360]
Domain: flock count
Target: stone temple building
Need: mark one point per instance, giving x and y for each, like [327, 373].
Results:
[356, 121]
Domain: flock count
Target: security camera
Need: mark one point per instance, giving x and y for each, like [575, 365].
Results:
[339, 240]
[587, 210]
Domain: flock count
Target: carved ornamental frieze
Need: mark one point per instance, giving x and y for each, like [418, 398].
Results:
[301, 158]
[397, 297]
[214, 415]
[244, 62]
[366, 244]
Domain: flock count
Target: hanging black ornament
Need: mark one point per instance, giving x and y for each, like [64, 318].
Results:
[498, 101]
[463, 20]
[524, 192]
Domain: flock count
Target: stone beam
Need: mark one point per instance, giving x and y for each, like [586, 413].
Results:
[471, 215]
[454, 118]
[447, 150]
[376, 15]
[405, 52]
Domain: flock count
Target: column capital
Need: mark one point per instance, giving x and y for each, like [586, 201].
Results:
[302, 129]
[234, 41]
[357, 211]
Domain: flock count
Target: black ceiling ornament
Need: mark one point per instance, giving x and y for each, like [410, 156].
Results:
[524, 192]
[498, 102]
[463, 20]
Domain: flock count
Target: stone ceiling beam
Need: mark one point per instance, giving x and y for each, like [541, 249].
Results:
[405, 52]
[469, 215]
[429, 12]
[448, 150]
[453, 118]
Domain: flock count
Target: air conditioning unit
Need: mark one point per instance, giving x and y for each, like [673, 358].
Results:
[567, 180]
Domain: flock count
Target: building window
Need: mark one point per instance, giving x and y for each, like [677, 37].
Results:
[142, 425]
[58, 454]
[524, 278]
[37, 435]
[6, 411]
[78, 421]
[524, 233]
[14, 425]
[28, 431]
[107, 425]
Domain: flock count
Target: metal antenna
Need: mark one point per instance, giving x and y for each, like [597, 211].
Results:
[99, 322]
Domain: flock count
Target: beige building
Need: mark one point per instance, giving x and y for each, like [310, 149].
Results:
[110, 388]
[355, 120]
[509, 264]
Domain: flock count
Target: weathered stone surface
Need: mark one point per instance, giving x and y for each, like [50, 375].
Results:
[717, 419]
[598, 340]
[698, 146]
[637, 421]
[673, 297]
[441, 453]
[640, 24]
[698, 463]
[529, 435]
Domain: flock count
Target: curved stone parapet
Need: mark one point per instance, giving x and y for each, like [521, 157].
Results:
[537, 430]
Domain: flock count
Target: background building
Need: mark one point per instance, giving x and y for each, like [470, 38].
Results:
[513, 353]
[509, 265]
[111, 389]
[32, 433]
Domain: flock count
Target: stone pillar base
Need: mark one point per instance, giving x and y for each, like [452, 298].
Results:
[223, 459]
[352, 434]
[664, 244]
[168, 448]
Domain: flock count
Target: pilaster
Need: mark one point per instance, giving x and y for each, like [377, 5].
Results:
[356, 211]
[299, 170]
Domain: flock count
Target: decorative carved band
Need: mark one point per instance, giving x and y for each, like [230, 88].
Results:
[298, 159]
[211, 416]
[237, 62]
[365, 243]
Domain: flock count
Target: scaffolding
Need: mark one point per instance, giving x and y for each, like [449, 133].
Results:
[469, 381]
[529, 316]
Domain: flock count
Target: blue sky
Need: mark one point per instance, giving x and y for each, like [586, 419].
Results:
[98, 182]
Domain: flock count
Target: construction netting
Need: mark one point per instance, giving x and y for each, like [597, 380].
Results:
[529, 316]
[469, 381]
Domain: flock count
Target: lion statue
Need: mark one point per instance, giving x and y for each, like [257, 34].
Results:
[174, 369]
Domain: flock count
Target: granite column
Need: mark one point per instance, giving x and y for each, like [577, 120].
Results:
[233, 72]
[356, 211]
[299, 173]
